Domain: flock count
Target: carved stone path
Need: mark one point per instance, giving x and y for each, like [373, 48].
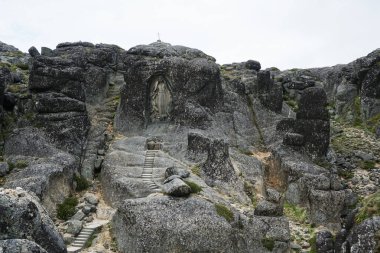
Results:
[148, 170]
[84, 235]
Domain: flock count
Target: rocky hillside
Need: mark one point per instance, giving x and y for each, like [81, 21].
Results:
[160, 149]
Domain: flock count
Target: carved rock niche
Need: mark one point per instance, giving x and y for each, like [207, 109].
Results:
[160, 99]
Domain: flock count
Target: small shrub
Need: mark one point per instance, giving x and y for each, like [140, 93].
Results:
[370, 207]
[268, 243]
[11, 166]
[295, 212]
[196, 169]
[82, 183]
[23, 66]
[67, 208]
[90, 240]
[358, 122]
[345, 173]
[195, 188]
[223, 211]
[20, 164]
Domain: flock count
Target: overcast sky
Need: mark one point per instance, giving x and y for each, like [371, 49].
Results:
[282, 33]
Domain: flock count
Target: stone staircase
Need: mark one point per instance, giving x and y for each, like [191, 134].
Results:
[148, 170]
[102, 117]
[84, 235]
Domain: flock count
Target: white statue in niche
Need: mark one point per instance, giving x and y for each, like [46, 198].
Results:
[161, 100]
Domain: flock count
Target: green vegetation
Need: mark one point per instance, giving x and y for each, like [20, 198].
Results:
[346, 174]
[90, 240]
[14, 54]
[196, 169]
[223, 211]
[295, 213]
[268, 243]
[313, 244]
[2, 181]
[358, 122]
[20, 164]
[22, 66]
[245, 151]
[370, 207]
[323, 163]
[373, 122]
[67, 208]
[14, 88]
[290, 102]
[367, 165]
[249, 189]
[195, 188]
[82, 183]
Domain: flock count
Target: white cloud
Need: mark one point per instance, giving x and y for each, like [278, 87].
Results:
[282, 33]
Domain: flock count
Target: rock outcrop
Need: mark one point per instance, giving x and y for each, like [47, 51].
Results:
[166, 83]
[163, 224]
[22, 217]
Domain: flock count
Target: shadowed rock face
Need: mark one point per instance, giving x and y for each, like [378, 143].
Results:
[167, 83]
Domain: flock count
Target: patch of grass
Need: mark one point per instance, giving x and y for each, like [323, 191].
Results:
[14, 88]
[367, 165]
[223, 211]
[373, 122]
[268, 243]
[2, 181]
[313, 244]
[67, 209]
[82, 183]
[249, 189]
[358, 122]
[292, 103]
[323, 163]
[195, 188]
[295, 213]
[196, 169]
[22, 66]
[346, 174]
[14, 54]
[370, 207]
[245, 151]
[11, 166]
[20, 164]
[90, 240]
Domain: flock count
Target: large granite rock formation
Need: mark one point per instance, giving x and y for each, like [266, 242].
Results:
[166, 224]
[20, 246]
[166, 83]
[23, 217]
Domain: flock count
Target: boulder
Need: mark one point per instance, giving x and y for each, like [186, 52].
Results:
[91, 198]
[166, 224]
[23, 217]
[270, 94]
[45, 51]
[320, 207]
[254, 65]
[325, 242]
[218, 166]
[33, 51]
[20, 246]
[364, 237]
[4, 169]
[266, 208]
[198, 146]
[176, 171]
[74, 227]
[177, 188]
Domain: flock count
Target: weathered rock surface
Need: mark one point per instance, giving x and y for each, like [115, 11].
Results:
[23, 217]
[188, 80]
[177, 188]
[48, 171]
[164, 224]
[20, 246]
[364, 237]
